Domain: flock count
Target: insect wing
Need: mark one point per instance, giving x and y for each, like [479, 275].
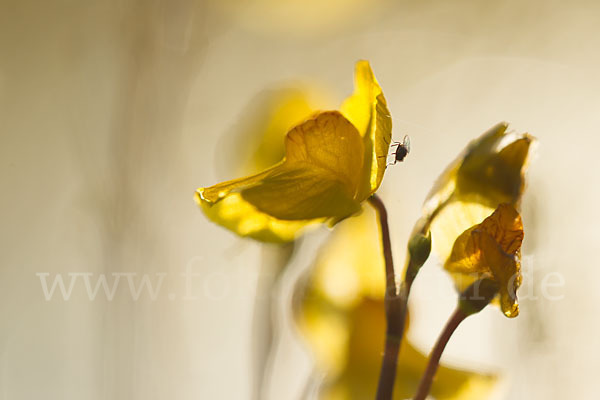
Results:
[406, 143]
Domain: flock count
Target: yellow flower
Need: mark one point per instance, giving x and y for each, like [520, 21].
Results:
[333, 161]
[489, 172]
[340, 312]
[491, 249]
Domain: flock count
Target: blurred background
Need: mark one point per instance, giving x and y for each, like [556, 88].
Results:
[113, 112]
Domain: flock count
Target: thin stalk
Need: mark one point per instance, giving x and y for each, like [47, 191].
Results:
[434, 359]
[274, 261]
[395, 308]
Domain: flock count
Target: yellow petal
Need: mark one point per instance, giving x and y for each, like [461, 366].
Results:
[491, 249]
[328, 141]
[496, 177]
[505, 226]
[367, 110]
[219, 191]
[319, 177]
[380, 138]
[300, 191]
[451, 221]
[317, 180]
[358, 108]
[484, 173]
[506, 270]
[242, 218]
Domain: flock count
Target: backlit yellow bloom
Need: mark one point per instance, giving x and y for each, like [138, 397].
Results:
[491, 249]
[490, 172]
[341, 314]
[333, 161]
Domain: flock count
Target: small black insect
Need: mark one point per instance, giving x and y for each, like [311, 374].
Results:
[402, 150]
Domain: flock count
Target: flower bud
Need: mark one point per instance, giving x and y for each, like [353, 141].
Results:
[419, 248]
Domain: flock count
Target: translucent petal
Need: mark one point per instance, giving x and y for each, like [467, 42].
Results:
[451, 221]
[219, 191]
[505, 226]
[496, 177]
[359, 107]
[317, 180]
[239, 216]
[328, 141]
[485, 173]
[367, 110]
[506, 270]
[300, 191]
[380, 137]
[491, 249]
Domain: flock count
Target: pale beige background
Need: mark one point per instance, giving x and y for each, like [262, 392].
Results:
[112, 113]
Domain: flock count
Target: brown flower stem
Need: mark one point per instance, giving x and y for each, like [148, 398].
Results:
[434, 359]
[395, 309]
